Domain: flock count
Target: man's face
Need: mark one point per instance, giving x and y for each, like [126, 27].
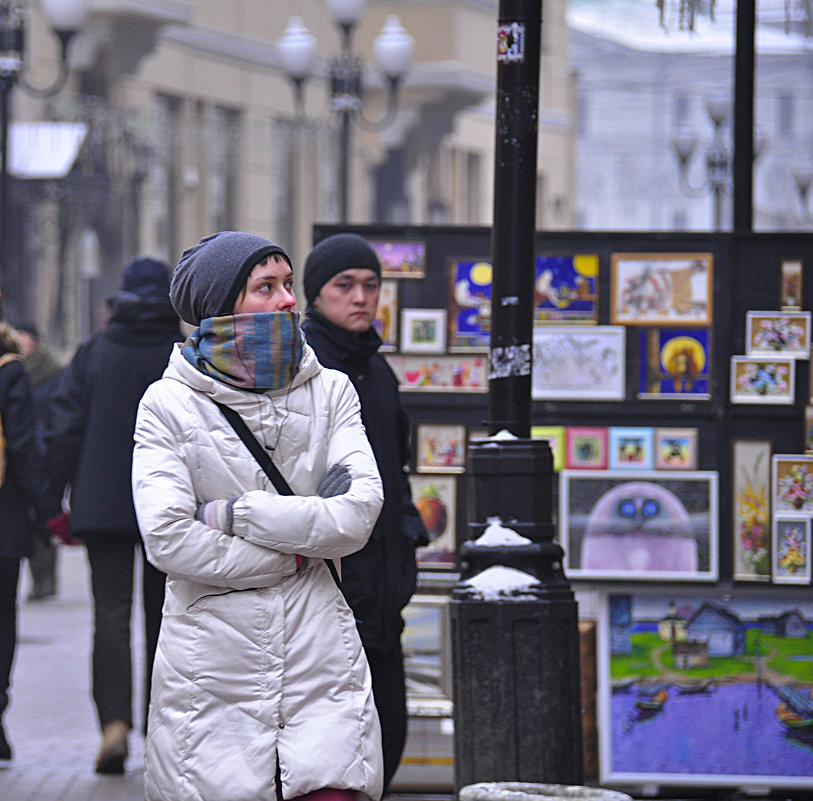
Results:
[350, 299]
[269, 288]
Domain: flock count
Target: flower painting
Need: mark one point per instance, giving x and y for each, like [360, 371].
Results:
[792, 551]
[752, 547]
[778, 333]
[793, 484]
[762, 380]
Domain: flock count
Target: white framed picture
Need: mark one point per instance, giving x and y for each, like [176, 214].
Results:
[423, 330]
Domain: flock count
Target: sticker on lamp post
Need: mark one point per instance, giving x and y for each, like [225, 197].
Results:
[511, 43]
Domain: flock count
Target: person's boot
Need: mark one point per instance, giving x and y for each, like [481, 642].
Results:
[113, 750]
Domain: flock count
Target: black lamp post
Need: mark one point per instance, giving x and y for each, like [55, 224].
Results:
[393, 50]
[66, 17]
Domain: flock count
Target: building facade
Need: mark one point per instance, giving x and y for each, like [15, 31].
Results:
[190, 127]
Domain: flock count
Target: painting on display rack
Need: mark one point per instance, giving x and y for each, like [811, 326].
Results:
[435, 498]
[751, 511]
[739, 661]
[778, 334]
[762, 379]
[639, 525]
[675, 363]
[578, 362]
[566, 289]
[661, 289]
[400, 259]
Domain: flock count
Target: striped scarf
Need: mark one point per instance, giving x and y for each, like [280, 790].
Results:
[249, 351]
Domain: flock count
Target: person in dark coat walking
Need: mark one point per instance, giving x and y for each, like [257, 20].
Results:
[89, 442]
[23, 488]
[43, 371]
[342, 282]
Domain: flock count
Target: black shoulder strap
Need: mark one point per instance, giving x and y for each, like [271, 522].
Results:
[267, 464]
[257, 450]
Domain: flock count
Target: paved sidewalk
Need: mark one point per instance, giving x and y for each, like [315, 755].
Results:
[51, 721]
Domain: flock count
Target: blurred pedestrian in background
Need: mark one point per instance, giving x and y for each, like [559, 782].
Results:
[43, 372]
[25, 503]
[261, 687]
[342, 282]
[89, 440]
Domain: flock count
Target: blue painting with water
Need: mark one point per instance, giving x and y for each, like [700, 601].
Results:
[705, 689]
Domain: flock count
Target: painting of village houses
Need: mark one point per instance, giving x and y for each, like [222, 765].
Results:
[713, 689]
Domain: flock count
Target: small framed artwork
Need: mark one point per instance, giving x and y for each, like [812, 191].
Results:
[566, 289]
[790, 291]
[792, 484]
[661, 289]
[762, 379]
[470, 305]
[578, 363]
[808, 432]
[427, 648]
[451, 373]
[386, 318]
[555, 435]
[784, 333]
[639, 525]
[631, 448]
[435, 498]
[751, 513]
[675, 363]
[675, 448]
[441, 448]
[423, 330]
[586, 447]
[791, 550]
[400, 259]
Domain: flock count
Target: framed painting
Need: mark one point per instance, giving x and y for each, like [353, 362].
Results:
[586, 447]
[792, 484]
[791, 550]
[441, 448]
[784, 333]
[386, 317]
[427, 648]
[790, 290]
[762, 379]
[661, 289]
[578, 363]
[675, 448]
[423, 330]
[675, 363]
[631, 448]
[450, 373]
[400, 259]
[808, 430]
[435, 498]
[734, 662]
[566, 289]
[639, 525]
[470, 305]
[555, 435]
[751, 511]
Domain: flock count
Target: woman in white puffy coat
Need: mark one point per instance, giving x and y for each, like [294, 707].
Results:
[261, 689]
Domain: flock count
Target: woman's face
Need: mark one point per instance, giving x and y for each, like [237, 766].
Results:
[269, 288]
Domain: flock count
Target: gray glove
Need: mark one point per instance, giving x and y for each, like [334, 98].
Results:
[335, 482]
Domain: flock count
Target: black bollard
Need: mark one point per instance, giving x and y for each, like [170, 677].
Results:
[515, 657]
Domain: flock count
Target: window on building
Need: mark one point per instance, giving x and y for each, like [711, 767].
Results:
[784, 117]
[223, 165]
[166, 177]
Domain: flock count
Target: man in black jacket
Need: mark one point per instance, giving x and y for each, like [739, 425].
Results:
[89, 441]
[342, 281]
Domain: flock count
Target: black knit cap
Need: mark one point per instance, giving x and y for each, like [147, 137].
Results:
[210, 275]
[333, 255]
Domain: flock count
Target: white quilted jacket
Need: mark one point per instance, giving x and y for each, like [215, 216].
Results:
[255, 660]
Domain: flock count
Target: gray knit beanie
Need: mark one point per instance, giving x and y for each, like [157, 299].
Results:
[333, 255]
[210, 275]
